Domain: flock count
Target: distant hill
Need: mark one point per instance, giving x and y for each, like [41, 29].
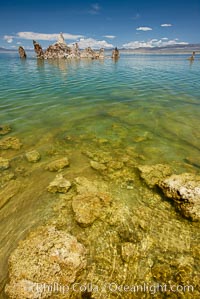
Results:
[7, 50]
[172, 49]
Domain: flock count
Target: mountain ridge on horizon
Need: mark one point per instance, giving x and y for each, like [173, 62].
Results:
[176, 47]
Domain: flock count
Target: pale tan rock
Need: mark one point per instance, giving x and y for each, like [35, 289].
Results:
[184, 189]
[4, 163]
[59, 185]
[58, 164]
[33, 156]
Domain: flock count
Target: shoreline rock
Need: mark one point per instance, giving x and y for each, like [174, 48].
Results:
[184, 189]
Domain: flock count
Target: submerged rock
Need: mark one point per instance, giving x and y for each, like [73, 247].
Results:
[154, 174]
[88, 207]
[5, 129]
[59, 185]
[4, 163]
[97, 166]
[33, 156]
[10, 143]
[90, 202]
[58, 164]
[22, 52]
[184, 189]
[89, 53]
[45, 258]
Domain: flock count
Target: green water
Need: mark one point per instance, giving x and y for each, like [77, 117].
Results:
[143, 106]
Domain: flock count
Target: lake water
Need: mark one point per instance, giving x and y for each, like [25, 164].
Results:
[147, 104]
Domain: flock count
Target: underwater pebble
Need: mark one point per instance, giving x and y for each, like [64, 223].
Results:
[4, 163]
[97, 166]
[33, 156]
[58, 164]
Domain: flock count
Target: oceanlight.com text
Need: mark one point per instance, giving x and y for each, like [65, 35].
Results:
[112, 287]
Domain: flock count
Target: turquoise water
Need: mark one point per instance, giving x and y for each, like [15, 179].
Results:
[153, 99]
[144, 108]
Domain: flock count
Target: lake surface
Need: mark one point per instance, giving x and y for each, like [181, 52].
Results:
[148, 104]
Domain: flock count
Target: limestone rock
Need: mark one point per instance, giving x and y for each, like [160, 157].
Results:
[33, 156]
[10, 143]
[184, 189]
[115, 53]
[97, 166]
[91, 54]
[61, 50]
[58, 164]
[4, 163]
[154, 174]
[59, 185]
[57, 50]
[4, 129]
[22, 52]
[38, 49]
[47, 256]
[61, 39]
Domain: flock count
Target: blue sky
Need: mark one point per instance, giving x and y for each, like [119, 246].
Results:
[128, 24]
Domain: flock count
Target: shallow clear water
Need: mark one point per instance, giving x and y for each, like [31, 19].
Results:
[149, 104]
[153, 97]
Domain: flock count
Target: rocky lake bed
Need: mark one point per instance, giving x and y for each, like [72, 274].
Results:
[90, 216]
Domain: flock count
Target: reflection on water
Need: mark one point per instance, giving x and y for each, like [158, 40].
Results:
[141, 107]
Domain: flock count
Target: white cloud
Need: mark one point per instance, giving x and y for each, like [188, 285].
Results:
[95, 8]
[110, 36]
[93, 43]
[166, 25]
[152, 43]
[144, 28]
[164, 38]
[44, 36]
[8, 38]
